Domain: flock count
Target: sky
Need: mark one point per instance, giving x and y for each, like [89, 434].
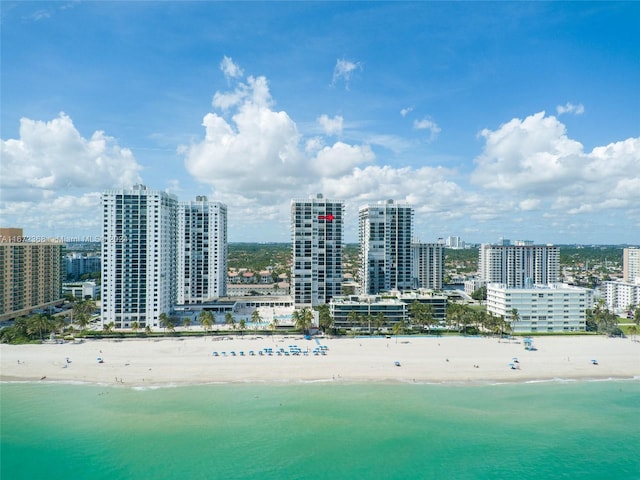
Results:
[518, 120]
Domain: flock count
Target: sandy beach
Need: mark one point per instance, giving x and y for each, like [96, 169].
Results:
[176, 361]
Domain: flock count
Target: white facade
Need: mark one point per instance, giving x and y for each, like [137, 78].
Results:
[631, 264]
[138, 256]
[202, 251]
[317, 242]
[81, 290]
[621, 295]
[541, 308]
[519, 265]
[428, 265]
[385, 233]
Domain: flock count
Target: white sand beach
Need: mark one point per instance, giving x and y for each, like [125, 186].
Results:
[178, 361]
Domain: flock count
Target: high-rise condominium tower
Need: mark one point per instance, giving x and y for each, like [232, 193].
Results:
[631, 264]
[519, 265]
[30, 273]
[138, 256]
[202, 250]
[428, 265]
[317, 236]
[385, 247]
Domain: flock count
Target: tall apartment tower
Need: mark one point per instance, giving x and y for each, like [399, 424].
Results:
[385, 234]
[631, 264]
[31, 273]
[202, 251]
[138, 256]
[317, 240]
[428, 265]
[519, 265]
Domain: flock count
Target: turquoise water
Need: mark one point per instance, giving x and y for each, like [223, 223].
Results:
[585, 430]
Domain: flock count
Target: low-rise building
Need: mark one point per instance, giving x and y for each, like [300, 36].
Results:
[552, 307]
[82, 290]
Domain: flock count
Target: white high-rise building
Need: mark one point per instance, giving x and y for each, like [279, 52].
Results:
[631, 264]
[138, 256]
[428, 265]
[519, 265]
[202, 251]
[385, 232]
[541, 308]
[317, 241]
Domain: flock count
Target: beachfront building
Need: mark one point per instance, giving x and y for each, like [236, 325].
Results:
[202, 250]
[367, 312]
[317, 241]
[541, 308]
[373, 312]
[385, 232]
[622, 296]
[138, 256]
[519, 265]
[428, 265]
[31, 273]
[631, 264]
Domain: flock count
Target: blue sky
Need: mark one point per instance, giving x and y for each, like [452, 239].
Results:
[517, 120]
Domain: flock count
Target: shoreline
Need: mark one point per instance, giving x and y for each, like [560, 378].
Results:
[174, 362]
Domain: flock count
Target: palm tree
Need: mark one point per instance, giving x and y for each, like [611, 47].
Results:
[164, 321]
[171, 326]
[514, 317]
[398, 329]
[38, 324]
[255, 317]
[325, 321]
[354, 318]
[378, 321]
[243, 325]
[135, 326]
[147, 330]
[206, 318]
[303, 319]
[274, 325]
[108, 328]
[229, 319]
[186, 323]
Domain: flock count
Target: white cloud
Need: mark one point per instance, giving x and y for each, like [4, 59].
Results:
[331, 126]
[405, 111]
[427, 124]
[343, 70]
[51, 157]
[570, 108]
[535, 159]
[340, 159]
[230, 69]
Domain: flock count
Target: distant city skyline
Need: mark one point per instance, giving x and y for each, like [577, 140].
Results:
[521, 120]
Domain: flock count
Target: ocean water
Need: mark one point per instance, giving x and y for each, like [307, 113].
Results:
[555, 430]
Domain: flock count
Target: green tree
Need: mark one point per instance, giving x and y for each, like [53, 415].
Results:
[243, 325]
[206, 320]
[303, 319]
[325, 320]
[135, 326]
[229, 319]
[186, 322]
[514, 318]
[255, 317]
[398, 329]
[379, 321]
[164, 321]
[480, 294]
[39, 325]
